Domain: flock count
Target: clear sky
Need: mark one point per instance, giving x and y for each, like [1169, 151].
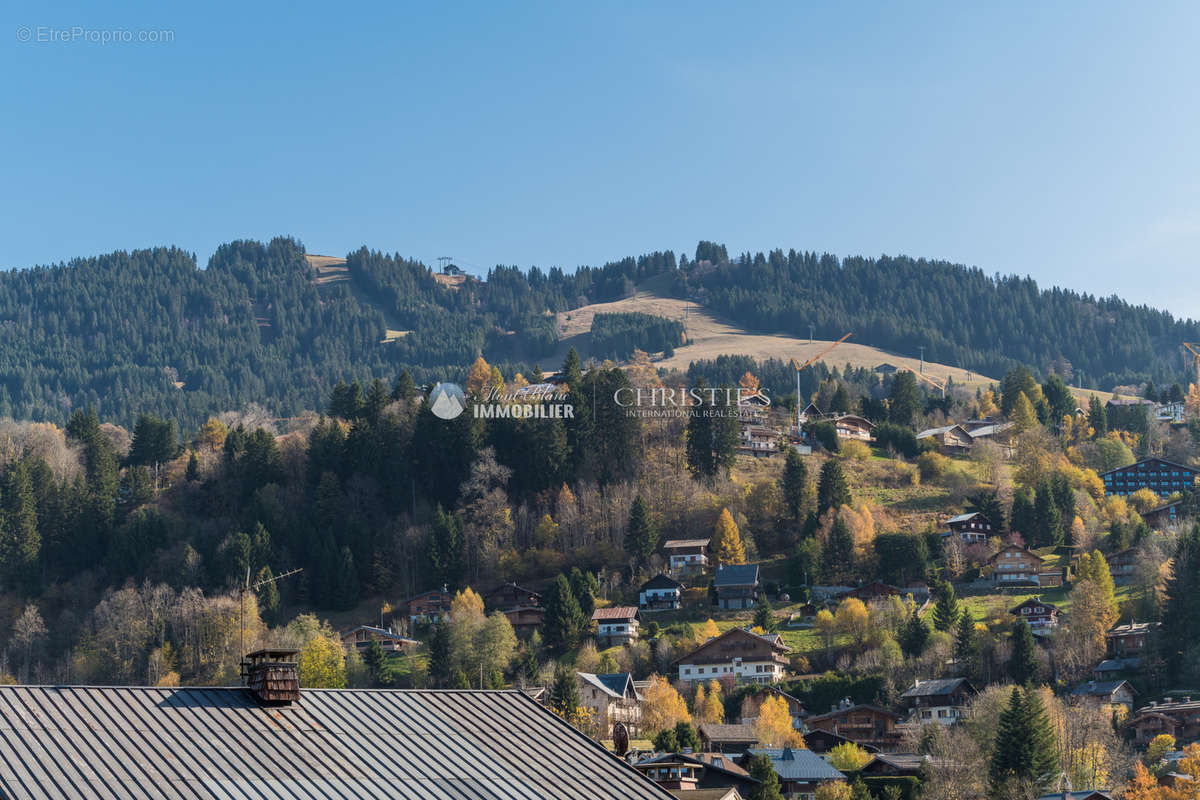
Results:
[1052, 139]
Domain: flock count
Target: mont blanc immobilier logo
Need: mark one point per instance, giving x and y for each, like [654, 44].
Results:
[538, 401]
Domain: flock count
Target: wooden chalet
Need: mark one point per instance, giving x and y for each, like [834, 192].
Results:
[1107, 696]
[861, 724]
[660, 593]
[360, 638]
[1178, 718]
[748, 657]
[611, 698]
[429, 608]
[1040, 615]
[1131, 639]
[1015, 565]
[697, 772]
[510, 595]
[971, 528]
[616, 625]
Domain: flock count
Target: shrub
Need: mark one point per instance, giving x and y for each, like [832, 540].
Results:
[856, 450]
[932, 465]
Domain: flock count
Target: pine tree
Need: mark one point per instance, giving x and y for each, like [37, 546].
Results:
[445, 549]
[1023, 665]
[404, 389]
[584, 586]
[832, 489]
[1023, 754]
[565, 623]
[20, 539]
[946, 611]
[373, 658]
[966, 644]
[1047, 518]
[192, 473]
[1024, 517]
[441, 657]
[565, 699]
[904, 400]
[268, 595]
[763, 770]
[837, 556]
[641, 537]
[914, 636]
[794, 483]
[727, 546]
[1097, 417]
[763, 617]
[1181, 608]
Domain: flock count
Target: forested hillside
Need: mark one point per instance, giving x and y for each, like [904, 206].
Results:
[149, 331]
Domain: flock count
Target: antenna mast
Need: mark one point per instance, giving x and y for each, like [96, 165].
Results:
[248, 587]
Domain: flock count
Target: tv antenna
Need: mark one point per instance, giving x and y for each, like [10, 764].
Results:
[249, 587]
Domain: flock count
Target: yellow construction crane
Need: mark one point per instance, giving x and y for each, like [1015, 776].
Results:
[939, 384]
[799, 366]
[1194, 349]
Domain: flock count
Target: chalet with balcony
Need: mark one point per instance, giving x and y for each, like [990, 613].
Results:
[942, 700]
[758, 441]
[429, 608]
[852, 426]
[748, 657]
[1130, 640]
[510, 595]
[1122, 564]
[616, 625]
[972, 528]
[711, 773]
[611, 698]
[1165, 516]
[737, 586]
[1041, 616]
[360, 638]
[1160, 476]
[861, 724]
[686, 555]
[1178, 718]
[1016, 566]
[660, 593]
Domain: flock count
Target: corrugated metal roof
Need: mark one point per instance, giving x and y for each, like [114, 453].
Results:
[135, 742]
[798, 764]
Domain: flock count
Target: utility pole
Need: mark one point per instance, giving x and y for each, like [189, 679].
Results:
[810, 334]
[443, 261]
[922, 359]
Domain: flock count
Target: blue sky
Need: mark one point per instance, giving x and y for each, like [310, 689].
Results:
[1056, 140]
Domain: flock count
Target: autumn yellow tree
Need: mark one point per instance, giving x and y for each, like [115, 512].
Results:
[662, 706]
[826, 627]
[479, 378]
[774, 728]
[853, 620]
[834, 791]
[322, 664]
[708, 705]
[708, 630]
[848, 757]
[748, 381]
[727, 545]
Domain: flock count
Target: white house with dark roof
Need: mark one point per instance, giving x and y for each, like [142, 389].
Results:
[748, 657]
[660, 593]
[686, 555]
[942, 700]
